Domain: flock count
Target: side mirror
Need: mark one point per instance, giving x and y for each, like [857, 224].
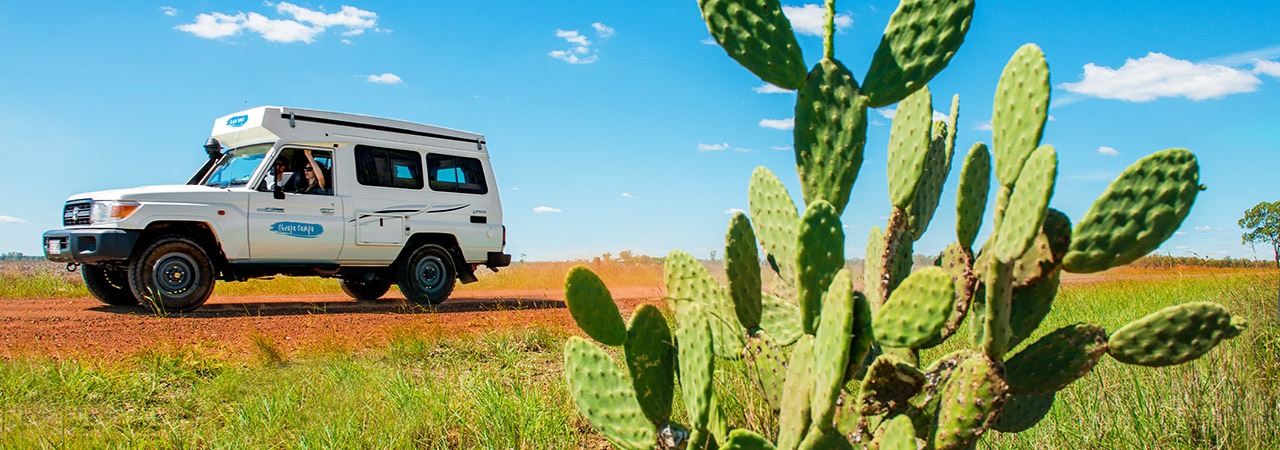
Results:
[277, 192]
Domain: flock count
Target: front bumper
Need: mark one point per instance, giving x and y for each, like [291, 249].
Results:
[89, 246]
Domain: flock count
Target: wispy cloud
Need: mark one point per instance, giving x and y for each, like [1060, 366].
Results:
[1108, 151]
[1246, 57]
[628, 195]
[984, 125]
[169, 11]
[1158, 75]
[778, 124]
[769, 88]
[712, 147]
[581, 50]
[811, 19]
[709, 41]
[386, 78]
[890, 113]
[11, 219]
[305, 25]
[1266, 67]
[783, 148]
[732, 211]
[546, 209]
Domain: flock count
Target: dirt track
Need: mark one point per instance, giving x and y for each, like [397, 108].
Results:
[86, 327]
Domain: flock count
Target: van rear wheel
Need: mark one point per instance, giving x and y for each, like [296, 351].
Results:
[173, 274]
[427, 275]
[365, 290]
[111, 286]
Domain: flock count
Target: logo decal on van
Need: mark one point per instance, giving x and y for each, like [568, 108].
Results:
[296, 229]
[237, 121]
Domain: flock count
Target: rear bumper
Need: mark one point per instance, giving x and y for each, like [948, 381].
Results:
[89, 246]
[497, 259]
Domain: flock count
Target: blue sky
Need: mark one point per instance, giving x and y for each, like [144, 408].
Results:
[615, 125]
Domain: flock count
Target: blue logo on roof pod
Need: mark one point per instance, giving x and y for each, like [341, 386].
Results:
[237, 121]
[296, 229]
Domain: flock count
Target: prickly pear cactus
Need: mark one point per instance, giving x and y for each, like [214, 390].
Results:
[842, 367]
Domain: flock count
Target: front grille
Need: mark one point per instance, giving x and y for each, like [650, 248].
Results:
[76, 213]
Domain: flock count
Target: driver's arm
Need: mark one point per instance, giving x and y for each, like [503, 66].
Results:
[316, 169]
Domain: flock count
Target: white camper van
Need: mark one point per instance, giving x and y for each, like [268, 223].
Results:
[302, 193]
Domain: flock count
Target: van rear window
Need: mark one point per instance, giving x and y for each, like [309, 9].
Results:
[385, 167]
[455, 174]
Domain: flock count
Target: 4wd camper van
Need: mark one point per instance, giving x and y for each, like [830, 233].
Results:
[302, 193]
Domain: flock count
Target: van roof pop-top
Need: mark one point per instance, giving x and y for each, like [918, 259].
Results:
[297, 192]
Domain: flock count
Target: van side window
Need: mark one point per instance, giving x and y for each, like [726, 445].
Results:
[377, 166]
[455, 174]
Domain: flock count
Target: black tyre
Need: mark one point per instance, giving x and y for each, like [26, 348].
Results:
[365, 290]
[173, 274]
[111, 286]
[427, 276]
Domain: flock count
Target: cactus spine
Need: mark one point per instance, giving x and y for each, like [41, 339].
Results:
[811, 335]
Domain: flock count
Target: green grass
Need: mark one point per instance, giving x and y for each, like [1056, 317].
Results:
[506, 389]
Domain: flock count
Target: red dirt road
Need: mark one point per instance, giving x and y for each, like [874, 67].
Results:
[87, 328]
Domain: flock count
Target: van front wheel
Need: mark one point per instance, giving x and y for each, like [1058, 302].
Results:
[365, 290]
[110, 286]
[427, 275]
[173, 274]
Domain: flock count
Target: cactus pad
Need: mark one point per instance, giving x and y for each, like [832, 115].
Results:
[972, 397]
[971, 198]
[1021, 412]
[776, 220]
[651, 362]
[873, 270]
[696, 362]
[909, 143]
[889, 383]
[1021, 109]
[1024, 216]
[741, 439]
[936, 168]
[831, 346]
[603, 395]
[794, 420]
[1174, 335]
[1056, 360]
[758, 36]
[825, 439]
[819, 255]
[1140, 209]
[688, 283]
[592, 307]
[1031, 304]
[830, 132]
[770, 363]
[898, 434]
[742, 266]
[781, 319]
[957, 262]
[917, 310]
[921, 38]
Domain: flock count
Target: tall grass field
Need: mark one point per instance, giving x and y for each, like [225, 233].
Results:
[506, 389]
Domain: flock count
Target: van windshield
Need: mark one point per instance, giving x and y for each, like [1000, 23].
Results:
[236, 166]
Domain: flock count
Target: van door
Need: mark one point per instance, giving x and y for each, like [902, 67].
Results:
[305, 226]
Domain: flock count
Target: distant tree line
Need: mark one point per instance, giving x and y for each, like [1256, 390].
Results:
[18, 256]
[1165, 261]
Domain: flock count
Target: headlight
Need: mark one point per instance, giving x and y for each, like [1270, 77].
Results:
[110, 211]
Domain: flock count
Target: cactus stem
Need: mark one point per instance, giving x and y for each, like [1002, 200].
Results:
[996, 329]
[1002, 202]
[828, 38]
[894, 234]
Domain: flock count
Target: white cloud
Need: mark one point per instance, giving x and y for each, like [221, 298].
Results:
[712, 147]
[169, 11]
[732, 211]
[11, 219]
[877, 123]
[386, 78]
[1266, 67]
[305, 26]
[1180, 233]
[1246, 58]
[546, 209]
[769, 88]
[778, 124]
[984, 126]
[709, 41]
[573, 37]
[515, 188]
[743, 150]
[1108, 151]
[628, 195]
[572, 58]
[783, 148]
[1204, 228]
[1052, 119]
[602, 30]
[1158, 75]
[811, 19]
